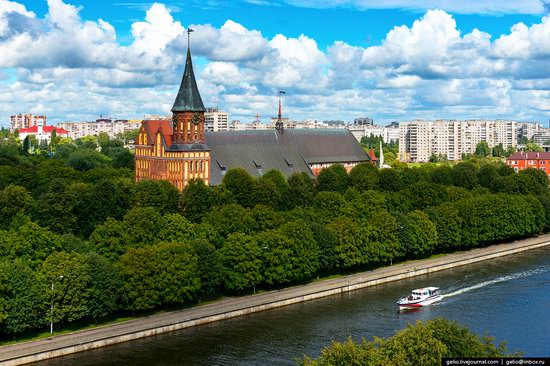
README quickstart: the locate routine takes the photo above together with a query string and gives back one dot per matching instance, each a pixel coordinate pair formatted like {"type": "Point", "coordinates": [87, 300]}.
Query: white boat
{"type": "Point", "coordinates": [420, 297]}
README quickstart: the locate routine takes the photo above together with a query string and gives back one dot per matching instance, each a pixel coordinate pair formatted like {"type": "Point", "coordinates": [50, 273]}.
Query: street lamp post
{"type": "Point", "coordinates": [51, 312]}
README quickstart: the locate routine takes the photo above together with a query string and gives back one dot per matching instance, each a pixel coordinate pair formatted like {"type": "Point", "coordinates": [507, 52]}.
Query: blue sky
{"type": "Point", "coordinates": [337, 59]}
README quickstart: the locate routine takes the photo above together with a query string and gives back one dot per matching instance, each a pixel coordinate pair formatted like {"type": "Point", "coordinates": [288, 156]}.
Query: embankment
{"type": "Point", "coordinates": [33, 351]}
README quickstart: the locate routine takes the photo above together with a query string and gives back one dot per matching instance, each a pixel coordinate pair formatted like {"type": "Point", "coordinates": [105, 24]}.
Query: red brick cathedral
{"type": "Point", "coordinates": [176, 150]}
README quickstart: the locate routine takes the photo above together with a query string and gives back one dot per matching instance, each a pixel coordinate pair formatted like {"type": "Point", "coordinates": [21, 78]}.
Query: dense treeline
{"type": "Point", "coordinates": [423, 344]}
{"type": "Point", "coordinates": [123, 246]}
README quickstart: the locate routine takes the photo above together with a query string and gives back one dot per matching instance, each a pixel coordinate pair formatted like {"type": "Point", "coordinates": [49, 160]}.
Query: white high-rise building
{"type": "Point", "coordinates": [419, 140]}
{"type": "Point", "coordinates": [388, 133]}
{"type": "Point", "coordinates": [215, 120]}
{"type": "Point", "coordinates": [26, 120]}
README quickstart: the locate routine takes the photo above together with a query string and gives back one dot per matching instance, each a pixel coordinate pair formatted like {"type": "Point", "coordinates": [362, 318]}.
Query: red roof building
{"type": "Point", "coordinates": [42, 132]}
{"type": "Point", "coordinates": [523, 160]}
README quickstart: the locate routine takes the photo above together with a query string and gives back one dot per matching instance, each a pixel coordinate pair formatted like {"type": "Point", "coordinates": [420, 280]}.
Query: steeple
{"type": "Point", "coordinates": [188, 99]}
{"type": "Point", "coordinates": [279, 125]}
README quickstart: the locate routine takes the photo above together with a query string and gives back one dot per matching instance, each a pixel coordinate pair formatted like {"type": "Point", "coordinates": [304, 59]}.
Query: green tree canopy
{"type": "Point", "coordinates": [483, 149]}
{"type": "Point", "coordinates": [196, 200]}
{"type": "Point", "coordinates": [422, 344]}
{"type": "Point", "coordinates": [239, 183]}
{"type": "Point", "coordinates": [333, 179]}
{"type": "Point", "coordinates": [241, 258]}
{"type": "Point", "coordinates": [162, 274]}
{"type": "Point", "coordinates": [86, 159]}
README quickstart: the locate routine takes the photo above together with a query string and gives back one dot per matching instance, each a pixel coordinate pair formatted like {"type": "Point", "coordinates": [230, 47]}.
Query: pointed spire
{"type": "Point", "coordinates": [188, 98]}
{"type": "Point", "coordinates": [279, 125]}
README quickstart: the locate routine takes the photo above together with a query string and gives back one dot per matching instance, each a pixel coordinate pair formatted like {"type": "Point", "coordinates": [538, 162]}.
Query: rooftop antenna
{"type": "Point", "coordinates": [279, 125]}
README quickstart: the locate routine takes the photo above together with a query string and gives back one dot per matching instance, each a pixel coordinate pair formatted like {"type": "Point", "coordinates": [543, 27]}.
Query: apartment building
{"type": "Point", "coordinates": [419, 140]}
{"type": "Point", "coordinates": [111, 127]}
{"type": "Point", "coordinates": [388, 133]}
{"type": "Point", "coordinates": [528, 130]}
{"type": "Point", "coordinates": [216, 120]}
{"type": "Point", "coordinates": [26, 120]}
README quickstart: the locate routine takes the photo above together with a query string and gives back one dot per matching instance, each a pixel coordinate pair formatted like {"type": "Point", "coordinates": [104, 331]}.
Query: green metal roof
{"type": "Point", "coordinates": [188, 98]}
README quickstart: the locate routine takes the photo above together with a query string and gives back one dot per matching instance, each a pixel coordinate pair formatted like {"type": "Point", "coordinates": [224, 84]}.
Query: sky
{"type": "Point", "coordinates": [391, 60]}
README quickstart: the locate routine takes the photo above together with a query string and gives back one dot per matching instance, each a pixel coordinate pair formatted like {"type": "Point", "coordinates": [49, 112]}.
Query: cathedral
{"type": "Point", "coordinates": [181, 149]}
{"type": "Point", "coordinates": [176, 150]}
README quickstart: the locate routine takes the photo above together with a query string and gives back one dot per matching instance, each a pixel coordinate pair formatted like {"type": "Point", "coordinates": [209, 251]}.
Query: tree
{"type": "Point", "coordinates": [364, 177]}
{"type": "Point", "coordinates": [264, 192]}
{"type": "Point", "coordinates": [499, 151]}
{"type": "Point", "coordinates": [93, 206]}
{"type": "Point", "coordinates": [239, 183]}
{"type": "Point", "coordinates": [104, 289]}
{"type": "Point", "coordinates": [30, 243]}
{"type": "Point", "coordinates": [464, 175]}
{"type": "Point", "coordinates": [448, 223]}
{"type": "Point", "coordinates": [87, 142]}
{"type": "Point", "coordinates": [209, 266]}
{"type": "Point", "coordinates": [538, 178]}
{"type": "Point", "coordinates": [347, 251]}
{"type": "Point", "coordinates": [229, 219]}
{"type": "Point", "coordinates": [26, 144]}
{"type": "Point", "coordinates": [422, 344]}
{"type": "Point", "coordinates": [418, 235]}
{"type": "Point", "coordinates": [161, 274]}
{"type": "Point", "coordinates": [300, 190]}
{"type": "Point", "coordinates": [196, 200]}
{"type": "Point", "coordinates": [330, 205]}
{"type": "Point", "coordinates": [120, 156]}
{"type": "Point", "coordinates": [241, 258]}
{"type": "Point", "coordinates": [483, 149]}
{"type": "Point", "coordinates": [380, 241]}
{"type": "Point", "coordinates": [531, 146]}
{"type": "Point", "coordinates": [159, 194]}
{"type": "Point", "coordinates": [70, 294]}
{"type": "Point", "coordinates": [54, 140]}
{"type": "Point", "coordinates": [304, 249]}
{"type": "Point", "coordinates": [277, 253]}
{"type": "Point", "coordinates": [281, 185]}
{"type": "Point", "coordinates": [486, 174]}
{"type": "Point", "coordinates": [333, 179]}
{"type": "Point", "coordinates": [86, 159]}
{"type": "Point", "coordinates": [423, 194]}
{"type": "Point", "coordinates": [327, 247]}
{"type": "Point", "coordinates": [21, 298]}
{"type": "Point", "coordinates": [390, 180]}
{"type": "Point", "coordinates": [55, 208]}
{"type": "Point", "coordinates": [442, 175]}
{"type": "Point", "coordinates": [13, 200]}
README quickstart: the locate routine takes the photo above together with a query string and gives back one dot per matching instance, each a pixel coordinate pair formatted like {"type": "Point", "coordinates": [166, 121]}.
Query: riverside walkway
{"type": "Point", "coordinates": [31, 351]}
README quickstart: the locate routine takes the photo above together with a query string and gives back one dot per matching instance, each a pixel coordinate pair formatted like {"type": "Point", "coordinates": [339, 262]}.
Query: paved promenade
{"type": "Point", "coordinates": [138, 328]}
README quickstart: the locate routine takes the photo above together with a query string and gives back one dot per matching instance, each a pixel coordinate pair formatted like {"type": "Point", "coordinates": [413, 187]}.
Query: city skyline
{"type": "Point", "coordinates": [76, 60]}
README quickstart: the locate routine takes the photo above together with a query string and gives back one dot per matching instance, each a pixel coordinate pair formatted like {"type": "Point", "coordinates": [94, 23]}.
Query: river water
{"type": "Point", "coordinates": [508, 298]}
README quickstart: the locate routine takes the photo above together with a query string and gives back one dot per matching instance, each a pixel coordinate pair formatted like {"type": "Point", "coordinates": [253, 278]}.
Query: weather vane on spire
{"type": "Point", "coordinates": [189, 30]}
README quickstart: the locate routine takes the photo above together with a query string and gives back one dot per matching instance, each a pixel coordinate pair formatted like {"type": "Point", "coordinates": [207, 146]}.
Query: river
{"type": "Point", "coordinates": [508, 298]}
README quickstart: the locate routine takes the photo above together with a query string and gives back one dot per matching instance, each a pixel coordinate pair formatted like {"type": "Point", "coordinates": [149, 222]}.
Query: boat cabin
{"type": "Point", "coordinates": [423, 292]}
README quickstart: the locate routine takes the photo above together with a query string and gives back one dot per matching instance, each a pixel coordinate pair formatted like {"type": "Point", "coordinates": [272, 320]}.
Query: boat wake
{"type": "Point", "coordinates": [496, 280]}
